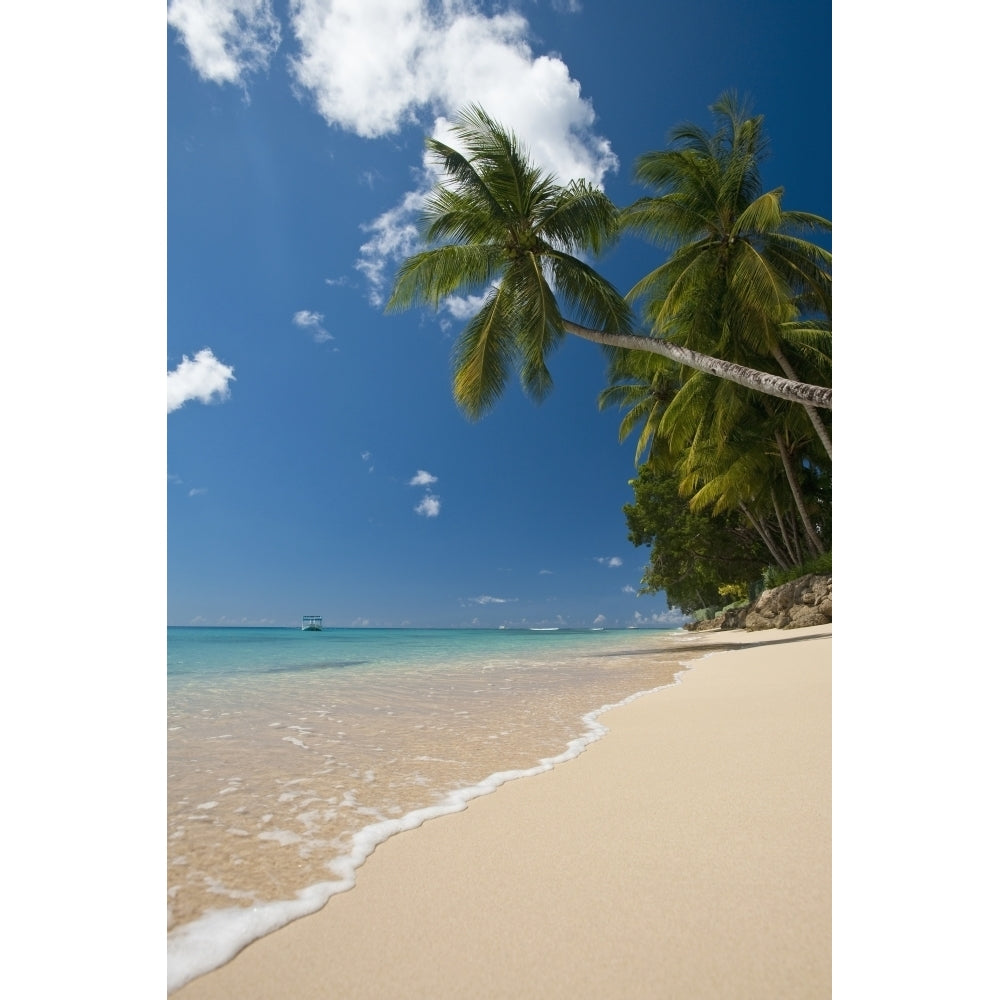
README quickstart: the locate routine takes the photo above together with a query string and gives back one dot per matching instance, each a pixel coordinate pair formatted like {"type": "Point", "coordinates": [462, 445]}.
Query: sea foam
{"type": "Point", "coordinates": [219, 935]}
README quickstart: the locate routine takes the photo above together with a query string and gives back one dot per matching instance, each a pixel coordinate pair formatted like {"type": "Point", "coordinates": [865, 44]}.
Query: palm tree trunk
{"type": "Point", "coordinates": [772, 385]}
{"type": "Point", "coordinates": [761, 528]}
{"type": "Point", "coordinates": [790, 532]}
{"type": "Point", "coordinates": [800, 504]}
{"type": "Point", "coordinates": [791, 544]}
{"type": "Point", "coordinates": [814, 416]}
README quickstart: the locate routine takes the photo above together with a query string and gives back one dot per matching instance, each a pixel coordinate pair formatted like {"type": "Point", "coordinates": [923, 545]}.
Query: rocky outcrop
{"type": "Point", "coordinates": [704, 626]}
{"type": "Point", "coordinates": [796, 604]}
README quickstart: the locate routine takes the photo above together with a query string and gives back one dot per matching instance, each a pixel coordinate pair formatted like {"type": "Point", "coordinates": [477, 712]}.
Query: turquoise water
{"type": "Point", "coordinates": [292, 754]}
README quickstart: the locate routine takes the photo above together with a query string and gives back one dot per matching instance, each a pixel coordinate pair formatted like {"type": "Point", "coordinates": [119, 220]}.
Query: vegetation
{"type": "Point", "coordinates": [822, 565]}
{"type": "Point", "coordinates": [741, 280]}
{"type": "Point", "coordinates": [496, 221]}
{"type": "Point", "coordinates": [693, 556]}
{"type": "Point", "coordinates": [728, 388]}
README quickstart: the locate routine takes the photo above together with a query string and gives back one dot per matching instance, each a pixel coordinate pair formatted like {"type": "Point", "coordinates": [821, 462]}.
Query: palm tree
{"type": "Point", "coordinates": [741, 279]}
{"type": "Point", "coordinates": [731, 450]}
{"type": "Point", "coordinates": [495, 220]}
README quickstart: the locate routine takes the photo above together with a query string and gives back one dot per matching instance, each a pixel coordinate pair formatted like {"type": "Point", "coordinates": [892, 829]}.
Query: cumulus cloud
{"type": "Point", "coordinates": [430, 506]}
{"type": "Point", "coordinates": [394, 236]}
{"type": "Point", "coordinates": [612, 562]}
{"type": "Point", "coordinates": [226, 39]}
{"type": "Point", "coordinates": [443, 64]}
{"type": "Point", "coordinates": [313, 322]}
{"type": "Point", "coordinates": [465, 307]}
{"type": "Point", "coordinates": [204, 378]}
{"type": "Point", "coordinates": [486, 599]}
{"type": "Point", "coordinates": [422, 478]}
{"type": "Point", "coordinates": [672, 618]}
{"type": "Point", "coordinates": [437, 58]}
{"type": "Point", "coordinates": [629, 589]}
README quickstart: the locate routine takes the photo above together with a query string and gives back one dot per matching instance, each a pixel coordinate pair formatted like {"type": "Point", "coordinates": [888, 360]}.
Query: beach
{"type": "Point", "coordinates": [685, 854]}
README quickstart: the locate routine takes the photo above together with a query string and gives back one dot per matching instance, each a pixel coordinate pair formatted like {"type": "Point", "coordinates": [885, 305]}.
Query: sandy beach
{"type": "Point", "coordinates": [685, 855]}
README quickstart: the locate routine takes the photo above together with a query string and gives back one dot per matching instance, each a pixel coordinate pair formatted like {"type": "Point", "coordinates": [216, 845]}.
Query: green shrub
{"type": "Point", "coordinates": [738, 591]}
{"type": "Point", "coordinates": [822, 565]}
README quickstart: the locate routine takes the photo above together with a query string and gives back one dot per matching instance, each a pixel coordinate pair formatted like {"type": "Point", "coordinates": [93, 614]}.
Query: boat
{"type": "Point", "coordinates": [553, 628]}
{"type": "Point", "coordinates": [312, 623]}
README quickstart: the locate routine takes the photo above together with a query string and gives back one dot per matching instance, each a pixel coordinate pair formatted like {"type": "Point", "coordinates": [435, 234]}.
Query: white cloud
{"type": "Point", "coordinates": [197, 491]}
{"type": "Point", "coordinates": [422, 478]}
{"type": "Point", "coordinates": [433, 62]}
{"type": "Point", "coordinates": [313, 322]}
{"type": "Point", "coordinates": [373, 67]}
{"type": "Point", "coordinates": [226, 39]}
{"type": "Point", "coordinates": [205, 378]}
{"type": "Point", "coordinates": [395, 236]}
{"type": "Point", "coordinates": [465, 307]}
{"type": "Point", "coordinates": [612, 562]}
{"type": "Point", "coordinates": [438, 58]}
{"type": "Point", "coordinates": [629, 589]}
{"type": "Point", "coordinates": [430, 506]}
{"type": "Point", "coordinates": [599, 620]}
{"type": "Point", "coordinates": [671, 618]}
{"type": "Point", "coordinates": [545, 572]}
{"type": "Point", "coordinates": [486, 599]}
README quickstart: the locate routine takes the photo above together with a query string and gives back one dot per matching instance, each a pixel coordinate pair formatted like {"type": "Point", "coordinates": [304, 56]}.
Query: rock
{"type": "Point", "coordinates": [796, 604]}
{"type": "Point", "coordinates": [735, 617]}
{"type": "Point", "coordinates": [704, 626]}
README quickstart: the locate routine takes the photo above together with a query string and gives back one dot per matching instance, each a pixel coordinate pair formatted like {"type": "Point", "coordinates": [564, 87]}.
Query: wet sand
{"type": "Point", "coordinates": [685, 855]}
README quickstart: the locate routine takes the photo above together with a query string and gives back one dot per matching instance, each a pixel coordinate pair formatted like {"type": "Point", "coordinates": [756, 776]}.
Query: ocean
{"type": "Point", "coordinates": [291, 755]}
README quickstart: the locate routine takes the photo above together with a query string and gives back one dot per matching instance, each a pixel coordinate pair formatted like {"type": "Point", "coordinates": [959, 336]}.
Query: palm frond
{"type": "Point", "coordinates": [432, 275]}
{"type": "Point", "coordinates": [539, 323]}
{"type": "Point", "coordinates": [579, 217]}
{"type": "Point", "coordinates": [762, 215]}
{"type": "Point", "coordinates": [483, 355]}
{"type": "Point", "coordinates": [593, 298]}
{"type": "Point", "coordinates": [460, 172]}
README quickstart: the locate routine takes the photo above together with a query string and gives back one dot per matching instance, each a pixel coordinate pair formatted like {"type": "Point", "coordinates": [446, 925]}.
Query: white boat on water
{"type": "Point", "coordinates": [312, 623]}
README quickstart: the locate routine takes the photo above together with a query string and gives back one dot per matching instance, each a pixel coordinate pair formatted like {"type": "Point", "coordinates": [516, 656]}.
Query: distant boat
{"type": "Point", "coordinates": [554, 628]}
{"type": "Point", "coordinates": [312, 623]}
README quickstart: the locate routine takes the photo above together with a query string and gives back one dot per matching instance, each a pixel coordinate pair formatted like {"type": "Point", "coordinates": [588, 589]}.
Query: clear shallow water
{"type": "Point", "coordinates": [292, 754]}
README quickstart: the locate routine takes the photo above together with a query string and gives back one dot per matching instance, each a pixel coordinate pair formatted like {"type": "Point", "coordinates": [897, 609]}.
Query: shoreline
{"type": "Point", "coordinates": [706, 873]}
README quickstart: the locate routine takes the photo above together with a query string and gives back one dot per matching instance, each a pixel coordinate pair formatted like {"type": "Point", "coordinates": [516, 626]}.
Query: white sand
{"type": "Point", "coordinates": [685, 855]}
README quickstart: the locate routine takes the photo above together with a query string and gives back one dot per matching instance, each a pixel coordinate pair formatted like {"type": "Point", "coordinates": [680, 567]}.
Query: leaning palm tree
{"type": "Point", "coordinates": [496, 221]}
{"type": "Point", "coordinates": [742, 273]}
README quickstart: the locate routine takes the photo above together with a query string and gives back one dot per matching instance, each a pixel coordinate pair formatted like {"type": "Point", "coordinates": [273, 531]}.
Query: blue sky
{"type": "Point", "coordinates": [316, 460]}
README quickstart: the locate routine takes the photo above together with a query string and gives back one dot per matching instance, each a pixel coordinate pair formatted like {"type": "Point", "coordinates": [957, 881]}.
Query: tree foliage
{"type": "Point", "coordinates": [724, 388]}
{"type": "Point", "coordinates": [692, 555]}
{"type": "Point", "coordinates": [496, 222]}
